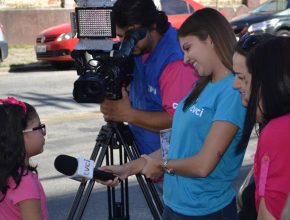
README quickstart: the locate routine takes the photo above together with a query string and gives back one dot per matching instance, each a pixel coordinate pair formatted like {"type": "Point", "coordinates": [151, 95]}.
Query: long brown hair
{"type": "Point", "coordinates": [206, 23]}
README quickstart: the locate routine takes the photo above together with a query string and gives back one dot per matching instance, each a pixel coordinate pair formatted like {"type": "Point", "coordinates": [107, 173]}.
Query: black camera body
{"type": "Point", "coordinates": [104, 80]}
{"type": "Point", "coordinates": [104, 75]}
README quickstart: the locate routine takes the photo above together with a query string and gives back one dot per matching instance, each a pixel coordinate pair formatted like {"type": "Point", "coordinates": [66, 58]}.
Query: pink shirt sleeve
{"type": "Point", "coordinates": [272, 173]}
{"type": "Point", "coordinates": [27, 189]}
{"type": "Point", "coordinates": [176, 81]}
{"type": "Point", "coordinates": [30, 188]}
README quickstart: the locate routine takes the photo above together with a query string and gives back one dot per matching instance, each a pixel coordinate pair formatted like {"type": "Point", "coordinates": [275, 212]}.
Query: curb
{"type": "Point", "coordinates": [33, 67]}
{"type": "Point", "coordinates": [4, 71]}
{"type": "Point", "coordinates": [26, 68]}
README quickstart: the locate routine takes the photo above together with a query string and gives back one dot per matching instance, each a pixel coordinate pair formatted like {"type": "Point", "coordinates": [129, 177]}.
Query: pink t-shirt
{"type": "Point", "coordinates": [29, 188]}
{"type": "Point", "coordinates": [176, 81]}
{"type": "Point", "coordinates": [272, 165]}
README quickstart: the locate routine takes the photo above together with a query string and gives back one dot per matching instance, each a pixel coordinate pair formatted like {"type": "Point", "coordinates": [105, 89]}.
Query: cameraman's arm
{"type": "Point", "coordinates": [122, 111]}
{"type": "Point", "coordinates": [153, 121]}
{"type": "Point", "coordinates": [175, 82]}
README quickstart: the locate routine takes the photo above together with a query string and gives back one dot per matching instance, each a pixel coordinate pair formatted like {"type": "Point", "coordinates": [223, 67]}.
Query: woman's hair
{"type": "Point", "coordinates": [246, 45]}
{"type": "Point", "coordinates": [142, 12]}
{"type": "Point", "coordinates": [249, 42]}
{"type": "Point", "coordinates": [13, 120]}
{"type": "Point", "coordinates": [206, 23]}
{"type": "Point", "coordinates": [269, 65]}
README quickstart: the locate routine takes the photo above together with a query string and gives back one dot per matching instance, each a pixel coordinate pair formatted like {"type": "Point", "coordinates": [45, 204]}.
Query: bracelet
{"type": "Point", "coordinates": [166, 169]}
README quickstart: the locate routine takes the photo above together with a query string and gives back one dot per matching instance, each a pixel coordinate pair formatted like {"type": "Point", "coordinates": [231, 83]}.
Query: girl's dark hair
{"type": "Point", "coordinates": [13, 121]}
{"type": "Point", "coordinates": [142, 12]}
{"type": "Point", "coordinates": [206, 23]}
{"type": "Point", "coordinates": [269, 65]}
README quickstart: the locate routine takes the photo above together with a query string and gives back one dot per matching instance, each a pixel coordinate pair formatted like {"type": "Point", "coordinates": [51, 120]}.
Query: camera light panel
{"type": "Point", "coordinates": [95, 23]}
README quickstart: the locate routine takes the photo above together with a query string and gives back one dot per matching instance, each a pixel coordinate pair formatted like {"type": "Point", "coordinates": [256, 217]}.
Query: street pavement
{"type": "Point", "coordinates": [72, 129]}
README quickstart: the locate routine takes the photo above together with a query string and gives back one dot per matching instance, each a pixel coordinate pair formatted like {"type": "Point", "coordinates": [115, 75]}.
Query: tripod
{"type": "Point", "coordinates": [116, 136]}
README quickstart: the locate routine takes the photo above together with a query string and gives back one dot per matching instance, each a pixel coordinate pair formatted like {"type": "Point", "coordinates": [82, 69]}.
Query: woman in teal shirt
{"type": "Point", "coordinates": [202, 161]}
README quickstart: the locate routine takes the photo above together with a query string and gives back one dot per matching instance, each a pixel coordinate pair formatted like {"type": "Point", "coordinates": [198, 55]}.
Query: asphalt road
{"type": "Point", "coordinates": [72, 129]}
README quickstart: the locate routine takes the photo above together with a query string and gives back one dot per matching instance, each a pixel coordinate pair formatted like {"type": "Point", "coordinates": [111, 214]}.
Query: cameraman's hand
{"type": "Point", "coordinates": [119, 110]}
{"type": "Point", "coordinates": [153, 168]}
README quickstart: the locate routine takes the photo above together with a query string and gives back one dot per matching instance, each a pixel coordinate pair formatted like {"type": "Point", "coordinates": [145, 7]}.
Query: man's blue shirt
{"type": "Point", "coordinates": [145, 90]}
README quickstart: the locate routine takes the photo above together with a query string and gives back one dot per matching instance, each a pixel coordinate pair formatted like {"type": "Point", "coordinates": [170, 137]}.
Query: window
{"type": "Point", "coordinates": [271, 6]}
{"type": "Point", "coordinates": [172, 7]}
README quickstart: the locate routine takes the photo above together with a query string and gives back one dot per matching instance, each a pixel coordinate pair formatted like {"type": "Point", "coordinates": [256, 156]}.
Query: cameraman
{"type": "Point", "coordinates": [160, 78]}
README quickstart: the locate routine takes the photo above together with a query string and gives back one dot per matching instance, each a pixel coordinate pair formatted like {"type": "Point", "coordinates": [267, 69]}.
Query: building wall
{"type": "Point", "coordinates": [36, 3]}
{"type": "Point", "coordinates": [21, 26]}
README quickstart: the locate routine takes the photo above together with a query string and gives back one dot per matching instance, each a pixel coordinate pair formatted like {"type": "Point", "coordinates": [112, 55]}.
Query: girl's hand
{"type": "Point", "coordinates": [153, 168]}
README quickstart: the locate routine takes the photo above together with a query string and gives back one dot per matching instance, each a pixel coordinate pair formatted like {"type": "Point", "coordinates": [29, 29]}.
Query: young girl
{"type": "Point", "coordinates": [266, 89]}
{"type": "Point", "coordinates": [21, 137]}
{"type": "Point", "coordinates": [202, 161]}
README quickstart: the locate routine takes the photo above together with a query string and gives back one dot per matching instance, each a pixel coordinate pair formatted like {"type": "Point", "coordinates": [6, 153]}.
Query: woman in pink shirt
{"type": "Point", "coordinates": [21, 137]}
{"type": "Point", "coordinates": [266, 90]}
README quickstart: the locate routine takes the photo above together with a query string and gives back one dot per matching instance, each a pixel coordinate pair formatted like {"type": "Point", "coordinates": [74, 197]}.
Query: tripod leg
{"type": "Point", "coordinates": [89, 188]}
{"type": "Point", "coordinates": [149, 191]}
{"type": "Point", "coordinates": [119, 209]}
{"type": "Point", "coordinates": [102, 142]}
{"type": "Point", "coordinates": [135, 154]}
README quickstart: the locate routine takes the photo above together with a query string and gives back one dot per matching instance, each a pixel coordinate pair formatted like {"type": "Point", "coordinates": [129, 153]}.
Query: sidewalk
{"type": "Point", "coordinates": [22, 59]}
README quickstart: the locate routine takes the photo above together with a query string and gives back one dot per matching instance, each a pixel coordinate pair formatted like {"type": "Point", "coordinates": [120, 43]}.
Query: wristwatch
{"type": "Point", "coordinates": [166, 169]}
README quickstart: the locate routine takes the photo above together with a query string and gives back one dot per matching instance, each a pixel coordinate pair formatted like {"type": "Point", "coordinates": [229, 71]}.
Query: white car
{"type": "Point", "coordinates": [3, 45]}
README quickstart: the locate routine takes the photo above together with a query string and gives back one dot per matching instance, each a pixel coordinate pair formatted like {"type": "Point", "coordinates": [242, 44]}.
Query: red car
{"type": "Point", "coordinates": [56, 43]}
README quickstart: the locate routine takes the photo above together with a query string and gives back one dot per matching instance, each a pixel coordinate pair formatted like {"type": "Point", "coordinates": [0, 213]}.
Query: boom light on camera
{"type": "Point", "coordinates": [104, 67]}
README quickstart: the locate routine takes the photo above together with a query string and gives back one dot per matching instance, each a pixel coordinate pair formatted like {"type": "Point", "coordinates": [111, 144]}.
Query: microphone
{"type": "Point", "coordinates": [80, 169]}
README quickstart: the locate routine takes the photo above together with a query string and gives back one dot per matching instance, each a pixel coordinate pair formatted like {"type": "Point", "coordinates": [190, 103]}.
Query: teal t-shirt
{"type": "Point", "coordinates": [196, 196]}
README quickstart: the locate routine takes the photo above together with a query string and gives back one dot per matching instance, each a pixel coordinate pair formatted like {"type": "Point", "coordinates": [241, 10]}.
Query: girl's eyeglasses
{"type": "Point", "coordinates": [40, 127]}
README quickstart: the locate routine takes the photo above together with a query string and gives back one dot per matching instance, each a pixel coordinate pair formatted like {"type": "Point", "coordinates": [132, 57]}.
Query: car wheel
{"type": "Point", "coordinates": [284, 33]}
{"type": "Point", "coordinates": [62, 65]}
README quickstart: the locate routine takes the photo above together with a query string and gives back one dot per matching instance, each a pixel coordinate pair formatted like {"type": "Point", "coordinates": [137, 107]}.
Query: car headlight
{"type": "Point", "coordinates": [262, 26]}
{"type": "Point", "coordinates": [65, 36]}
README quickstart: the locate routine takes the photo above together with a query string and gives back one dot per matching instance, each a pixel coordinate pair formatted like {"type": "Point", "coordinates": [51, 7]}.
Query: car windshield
{"type": "Point", "coordinates": [271, 6]}
{"type": "Point", "coordinates": [173, 7]}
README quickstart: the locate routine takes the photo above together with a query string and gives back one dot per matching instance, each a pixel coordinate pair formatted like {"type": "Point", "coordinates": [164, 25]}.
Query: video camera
{"type": "Point", "coordinates": [104, 66]}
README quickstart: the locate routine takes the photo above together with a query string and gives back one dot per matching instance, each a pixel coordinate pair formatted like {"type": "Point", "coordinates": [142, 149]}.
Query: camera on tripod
{"type": "Point", "coordinates": [104, 66]}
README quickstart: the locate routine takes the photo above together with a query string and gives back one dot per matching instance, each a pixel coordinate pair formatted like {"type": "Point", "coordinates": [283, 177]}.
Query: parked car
{"type": "Point", "coordinates": [179, 10]}
{"type": "Point", "coordinates": [3, 45]}
{"type": "Point", "coordinates": [56, 43]}
{"type": "Point", "coordinates": [272, 16]}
